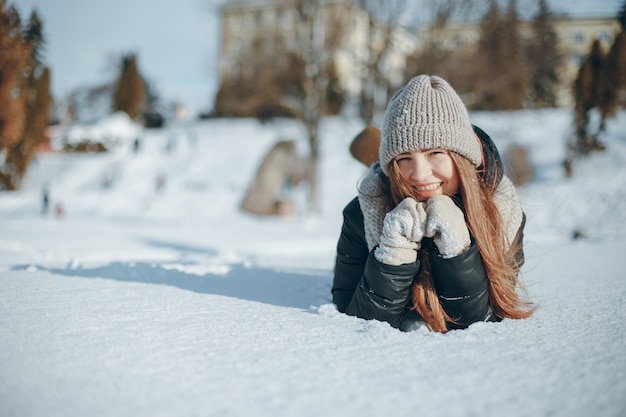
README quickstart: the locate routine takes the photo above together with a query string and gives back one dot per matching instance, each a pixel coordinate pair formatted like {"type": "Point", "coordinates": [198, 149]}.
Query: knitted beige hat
{"type": "Point", "coordinates": [424, 114]}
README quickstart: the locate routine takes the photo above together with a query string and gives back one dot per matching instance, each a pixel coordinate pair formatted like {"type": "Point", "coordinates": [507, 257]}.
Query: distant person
{"type": "Point", "coordinates": [136, 146]}
{"type": "Point", "coordinates": [435, 234]}
{"type": "Point", "coordinates": [45, 200]}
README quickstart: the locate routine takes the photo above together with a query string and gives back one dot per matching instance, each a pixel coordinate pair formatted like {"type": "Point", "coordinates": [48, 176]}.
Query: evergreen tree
{"type": "Point", "coordinates": [14, 63]}
{"type": "Point", "coordinates": [621, 67]}
{"type": "Point", "coordinates": [33, 35]}
{"type": "Point", "coordinates": [501, 83]}
{"type": "Point", "coordinates": [588, 87]}
{"type": "Point", "coordinates": [37, 116]}
{"type": "Point", "coordinates": [544, 59]}
{"type": "Point", "coordinates": [615, 69]}
{"type": "Point", "coordinates": [515, 79]}
{"type": "Point", "coordinates": [24, 94]}
{"type": "Point", "coordinates": [613, 82]}
{"type": "Point", "coordinates": [130, 92]}
{"type": "Point", "coordinates": [490, 48]}
{"type": "Point", "coordinates": [600, 84]}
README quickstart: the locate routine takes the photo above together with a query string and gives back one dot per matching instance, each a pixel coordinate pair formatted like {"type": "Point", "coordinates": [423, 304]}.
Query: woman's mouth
{"type": "Point", "coordinates": [424, 192]}
{"type": "Point", "coordinates": [429, 187]}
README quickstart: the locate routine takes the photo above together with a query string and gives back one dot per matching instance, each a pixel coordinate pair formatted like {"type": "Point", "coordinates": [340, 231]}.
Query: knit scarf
{"type": "Point", "coordinates": [373, 203]}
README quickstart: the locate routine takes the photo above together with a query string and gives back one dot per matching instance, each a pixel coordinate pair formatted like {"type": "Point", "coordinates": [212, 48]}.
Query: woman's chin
{"type": "Point", "coordinates": [425, 195]}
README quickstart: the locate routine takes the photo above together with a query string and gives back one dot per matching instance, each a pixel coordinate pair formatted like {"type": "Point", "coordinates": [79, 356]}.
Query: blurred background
{"type": "Point", "coordinates": [69, 62]}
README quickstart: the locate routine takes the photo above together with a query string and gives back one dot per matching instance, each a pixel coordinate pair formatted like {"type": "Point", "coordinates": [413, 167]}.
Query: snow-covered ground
{"type": "Point", "coordinates": [148, 301]}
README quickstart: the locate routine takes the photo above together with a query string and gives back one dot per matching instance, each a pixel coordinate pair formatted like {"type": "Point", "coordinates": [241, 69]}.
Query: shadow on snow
{"type": "Point", "coordinates": [281, 288]}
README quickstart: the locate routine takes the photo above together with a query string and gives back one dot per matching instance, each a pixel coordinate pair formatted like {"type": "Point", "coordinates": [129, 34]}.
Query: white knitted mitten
{"type": "Point", "coordinates": [403, 230]}
{"type": "Point", "coordinates": [446, 225]}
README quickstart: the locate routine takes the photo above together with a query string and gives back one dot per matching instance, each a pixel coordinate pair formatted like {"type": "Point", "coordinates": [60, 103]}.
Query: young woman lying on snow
{"type": "Point", "coordinates": [435, 234]}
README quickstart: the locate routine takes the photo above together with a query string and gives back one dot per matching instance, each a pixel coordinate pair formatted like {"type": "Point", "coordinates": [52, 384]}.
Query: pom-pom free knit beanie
{"type": "Point", "coordinates": [425, 114]}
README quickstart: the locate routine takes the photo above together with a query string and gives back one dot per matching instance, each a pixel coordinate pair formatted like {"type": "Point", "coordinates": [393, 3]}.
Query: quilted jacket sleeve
{"type": "Point", "coordinates": [363, 286]}
{"type": "Point", "coordinates": [351, 256]}
{"type": "Point", "coordinates": [383, 291]}
{"type": "Point", "coordinates": [462, 286]}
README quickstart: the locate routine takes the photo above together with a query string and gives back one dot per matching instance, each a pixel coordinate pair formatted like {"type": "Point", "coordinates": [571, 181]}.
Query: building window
{"type": "Point", "coordinates": [605, 37]}
{"type": "Point", "coordinates": [578, 37]}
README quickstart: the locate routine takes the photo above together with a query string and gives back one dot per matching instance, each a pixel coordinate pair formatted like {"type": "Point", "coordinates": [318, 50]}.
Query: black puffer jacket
{"type": "Point", "coordinates": [367, 288]}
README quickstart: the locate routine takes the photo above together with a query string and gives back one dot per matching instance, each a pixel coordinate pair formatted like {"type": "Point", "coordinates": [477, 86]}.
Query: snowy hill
{"type": "Point", "coordinates": [155, 295]}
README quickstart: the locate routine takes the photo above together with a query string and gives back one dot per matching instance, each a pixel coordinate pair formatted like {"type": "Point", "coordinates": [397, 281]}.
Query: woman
{"type": "Point", "coordinates": [436, 231]}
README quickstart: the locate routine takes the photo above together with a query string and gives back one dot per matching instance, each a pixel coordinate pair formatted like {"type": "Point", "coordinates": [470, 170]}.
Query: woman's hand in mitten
{"type": "Point", "coordinates": [403, 230]}
{"type": "Point", "coordinates": [446, 225]}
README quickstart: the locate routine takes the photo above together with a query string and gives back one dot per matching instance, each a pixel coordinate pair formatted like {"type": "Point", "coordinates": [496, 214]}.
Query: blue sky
{"type": "Point", "coordinates": [176, 41]}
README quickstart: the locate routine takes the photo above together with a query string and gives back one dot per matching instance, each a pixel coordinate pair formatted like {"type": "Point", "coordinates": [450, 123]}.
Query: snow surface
{"type": "Point", "coordinates": [142, 301]}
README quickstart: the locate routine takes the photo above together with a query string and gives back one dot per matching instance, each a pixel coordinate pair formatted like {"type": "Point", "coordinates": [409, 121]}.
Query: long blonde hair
{"type": "Point", "coordinates": [499, 256]}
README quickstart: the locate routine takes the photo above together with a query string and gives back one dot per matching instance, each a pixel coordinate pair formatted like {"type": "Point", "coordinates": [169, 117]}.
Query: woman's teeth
{"type": "Point", "coordinates": [427, 187]}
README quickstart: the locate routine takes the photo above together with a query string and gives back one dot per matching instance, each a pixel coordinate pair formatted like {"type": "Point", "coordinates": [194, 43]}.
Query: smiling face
{"type": "Point", "coordinates": [429, 172]}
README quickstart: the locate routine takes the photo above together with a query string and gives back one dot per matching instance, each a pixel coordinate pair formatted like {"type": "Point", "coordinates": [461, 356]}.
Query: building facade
{"type": "Point", "coordinates": [268, 27]}
{"type": "Point", "coordinates": [276, 24]}
{"type": "Point", "coordinates": [575, 37]}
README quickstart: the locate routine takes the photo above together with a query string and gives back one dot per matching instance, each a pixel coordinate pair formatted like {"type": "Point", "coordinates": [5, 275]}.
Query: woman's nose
{"type": "Point", "coordinates": [421, 169]}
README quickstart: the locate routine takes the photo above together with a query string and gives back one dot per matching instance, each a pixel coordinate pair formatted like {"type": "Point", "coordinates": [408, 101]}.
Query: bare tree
{"type": "Point", "coordinates": [383, 18]}
{"type": "Point", "coordinates": [284, 64]}
{"type": "Point", "coordinates": [456, 63]}
{"type": "Point", "coordinates": [321, 35]}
